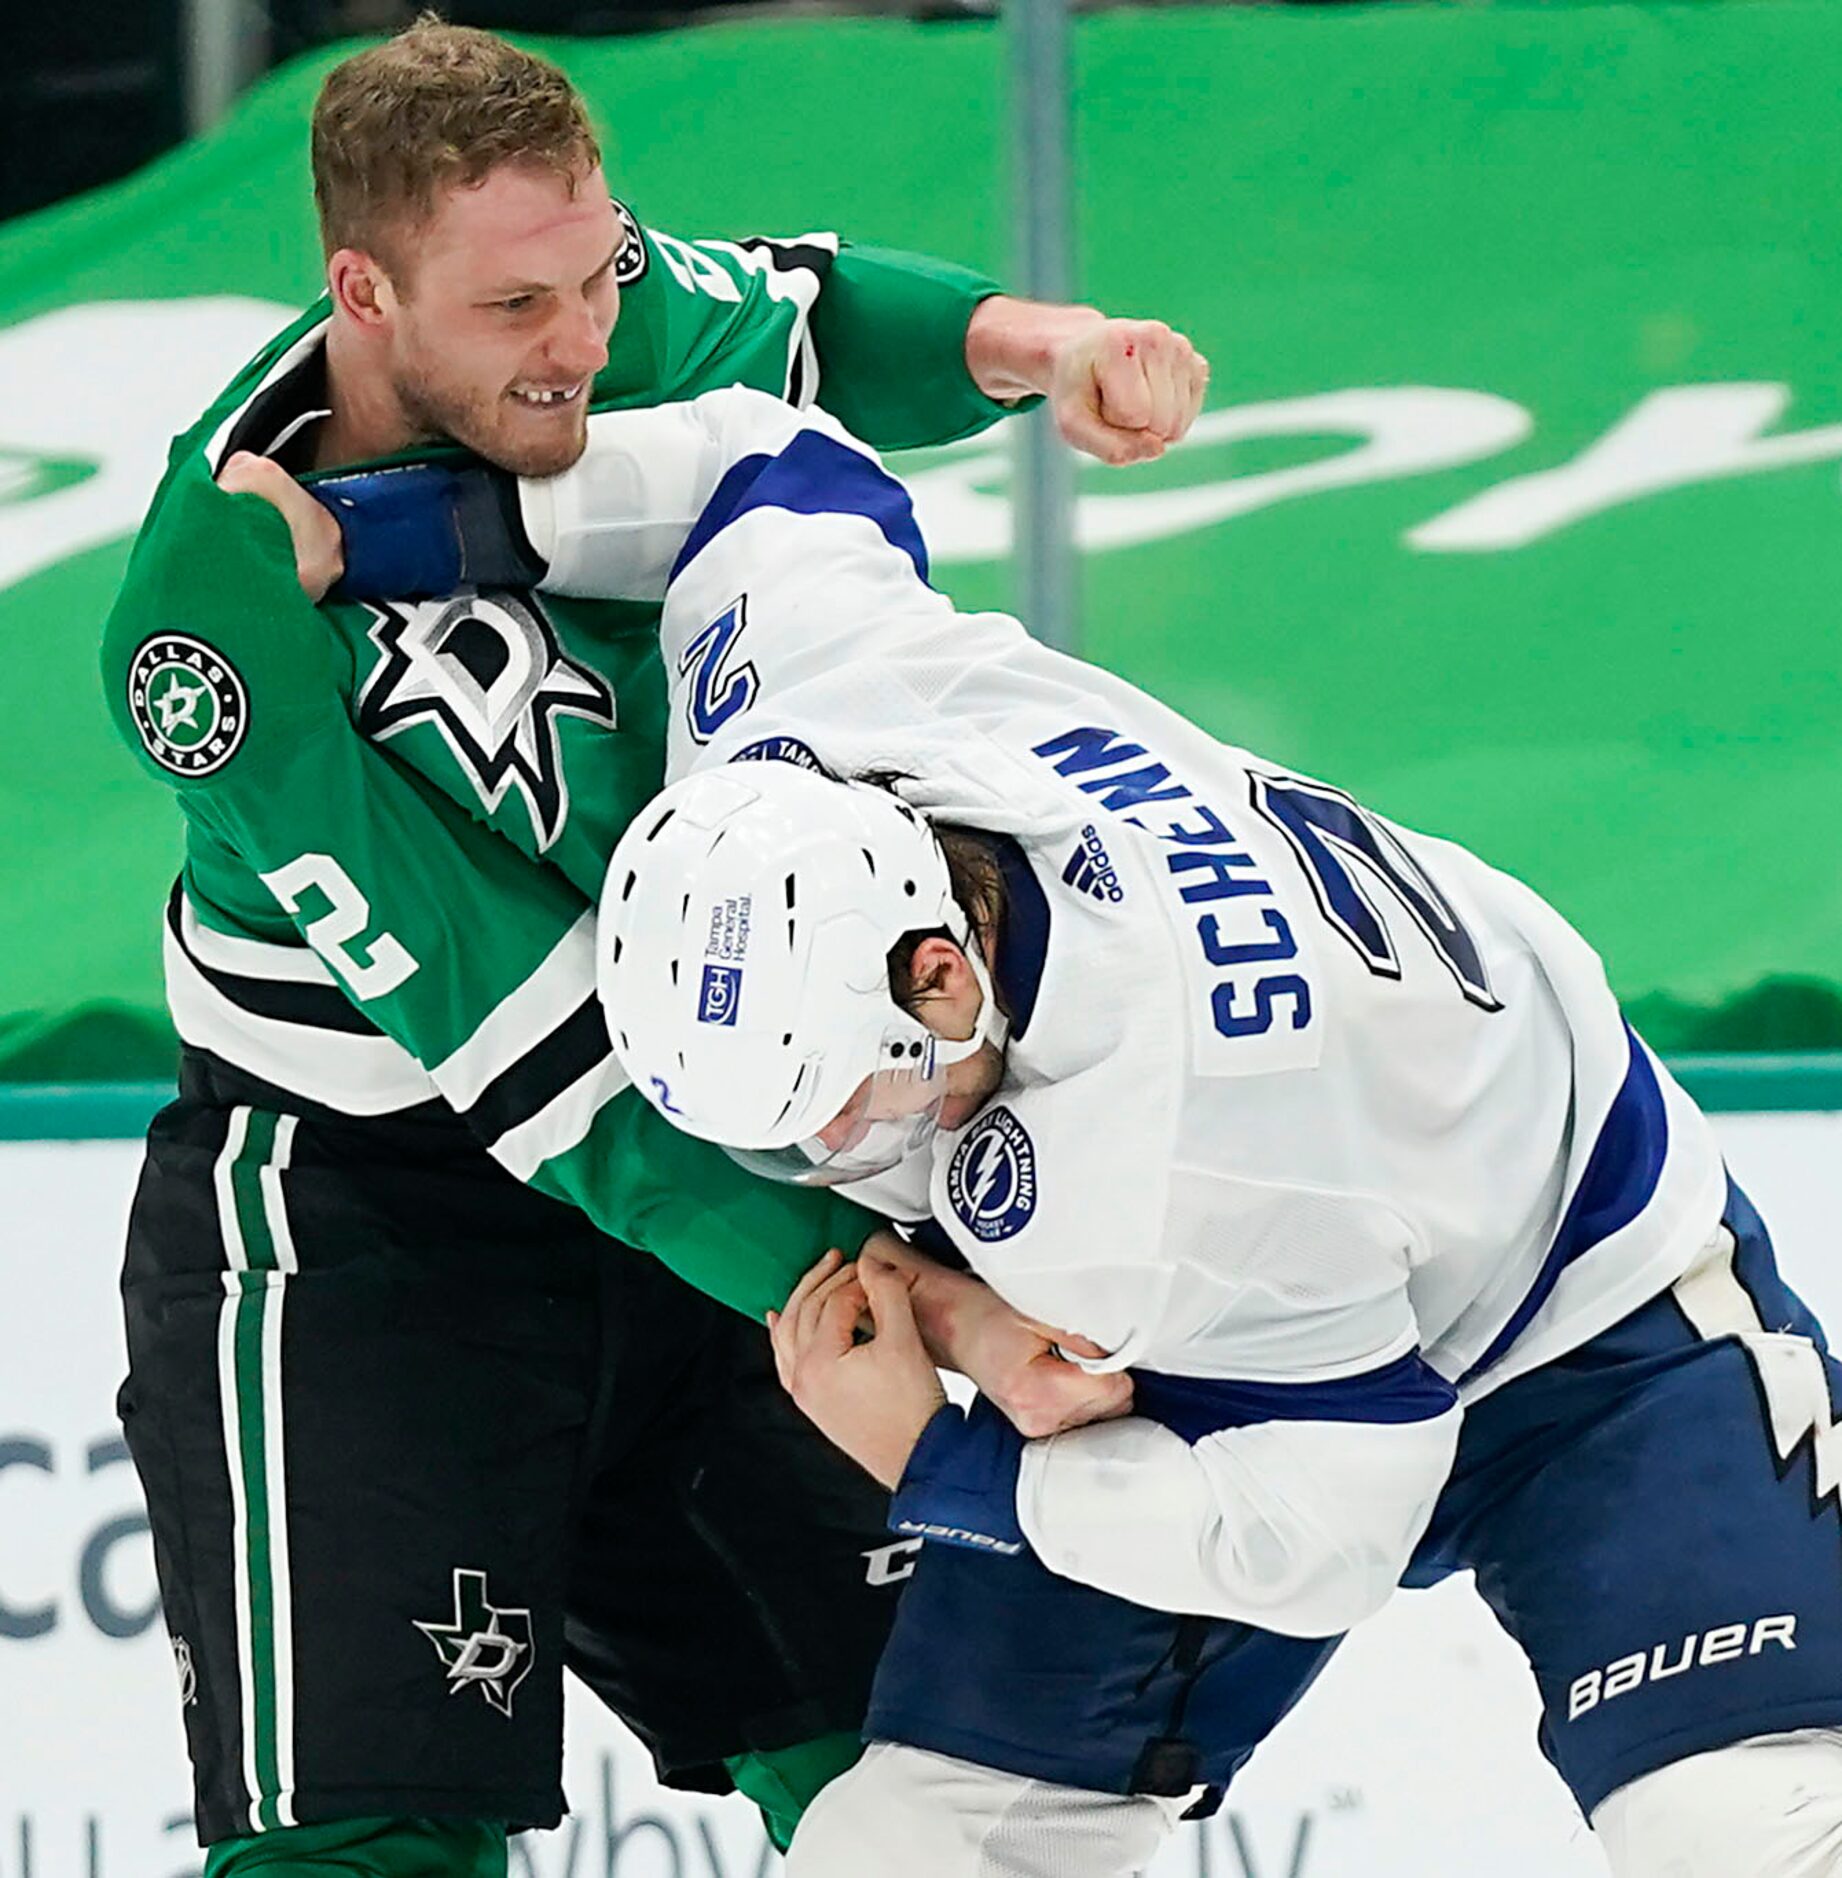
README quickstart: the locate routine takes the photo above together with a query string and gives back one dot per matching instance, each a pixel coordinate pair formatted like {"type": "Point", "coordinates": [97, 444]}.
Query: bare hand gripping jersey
{"type": "Point", "coordinates": [386, 897]}
{"type": "Point", "coordinates": [1326, 1118]}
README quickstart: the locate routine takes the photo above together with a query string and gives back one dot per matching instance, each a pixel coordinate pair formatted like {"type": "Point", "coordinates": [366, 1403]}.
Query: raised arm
{"type": "Point", "coordinates": [903, 348]}
{"type": "Point", "coordinates": [916, 351]}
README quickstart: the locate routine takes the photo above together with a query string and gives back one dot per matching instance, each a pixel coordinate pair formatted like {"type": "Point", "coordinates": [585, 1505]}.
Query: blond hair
{"type": "Point", "coordinates": [436, 107]}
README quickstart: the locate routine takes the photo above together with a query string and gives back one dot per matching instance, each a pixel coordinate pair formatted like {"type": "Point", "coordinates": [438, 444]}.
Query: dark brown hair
{"type": "Point", "coordinates": [437, 106]}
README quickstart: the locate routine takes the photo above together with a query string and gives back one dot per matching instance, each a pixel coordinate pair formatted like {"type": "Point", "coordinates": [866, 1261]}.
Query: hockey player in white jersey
{"type": "Point", "coordinates": [1328, 1132]}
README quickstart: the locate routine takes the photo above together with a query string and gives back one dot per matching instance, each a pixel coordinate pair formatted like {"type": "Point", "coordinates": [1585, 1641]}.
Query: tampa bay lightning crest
{"type": "Point", "coordinates": [783, 750]}
{"type": "Point", "coordinates": [486, 670]}
{"type": "Point", "coordinates": [991, 1181]}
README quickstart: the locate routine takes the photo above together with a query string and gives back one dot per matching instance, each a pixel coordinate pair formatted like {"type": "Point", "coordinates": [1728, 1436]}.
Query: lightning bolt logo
{"type": "Point", "coordinates": [982, 1173]}
{"type": "Point", "coordinates": [1792, 1373]}
{"type": "Point", "coordinates": [991, 1182]}
{"type": "Point", "coordinates": [1795, 1383]}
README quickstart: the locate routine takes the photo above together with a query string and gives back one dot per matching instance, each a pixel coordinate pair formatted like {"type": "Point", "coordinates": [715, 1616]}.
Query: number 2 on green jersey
{"type": "Point", "coordinates": [386, 962]}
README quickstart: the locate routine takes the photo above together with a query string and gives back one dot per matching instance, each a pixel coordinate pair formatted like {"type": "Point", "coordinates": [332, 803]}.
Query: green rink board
{"type": "Point", "coordinates": [1515, 509]}
{"type": "Point", "coordinates": [1780, 1082]}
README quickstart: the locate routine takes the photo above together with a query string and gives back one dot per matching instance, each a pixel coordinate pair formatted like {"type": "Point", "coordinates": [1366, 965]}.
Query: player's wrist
{"type": "Point", "coordinates": [1014, 347]}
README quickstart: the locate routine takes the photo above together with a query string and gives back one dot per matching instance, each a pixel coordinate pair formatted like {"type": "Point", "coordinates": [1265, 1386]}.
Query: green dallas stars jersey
{"type": "Point", "coordinates": [382, 906]}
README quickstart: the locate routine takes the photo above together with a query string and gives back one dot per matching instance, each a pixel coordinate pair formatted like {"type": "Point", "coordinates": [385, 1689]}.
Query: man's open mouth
{"type": "Point", "coordinates": [548, 400]}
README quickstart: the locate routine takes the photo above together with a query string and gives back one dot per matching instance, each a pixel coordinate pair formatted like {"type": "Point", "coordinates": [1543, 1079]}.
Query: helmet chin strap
{"type": "Point", "coordinates": [992, 1027]}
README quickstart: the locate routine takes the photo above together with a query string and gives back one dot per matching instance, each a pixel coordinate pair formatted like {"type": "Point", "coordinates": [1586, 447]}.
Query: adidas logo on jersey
{"type": "Point", "coordinates": [1724, 1644]}
{"type": "Point", "coordinates": [1089, 870]}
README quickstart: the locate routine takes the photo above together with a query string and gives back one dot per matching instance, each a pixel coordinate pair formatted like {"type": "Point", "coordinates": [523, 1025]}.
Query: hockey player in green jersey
{"type": "Point", "coordinates": [415, 1429]}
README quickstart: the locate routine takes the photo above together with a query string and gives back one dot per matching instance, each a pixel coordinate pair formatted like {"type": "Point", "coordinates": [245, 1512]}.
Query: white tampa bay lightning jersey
{"type": "Point", "coordinates": [1295, 1099]}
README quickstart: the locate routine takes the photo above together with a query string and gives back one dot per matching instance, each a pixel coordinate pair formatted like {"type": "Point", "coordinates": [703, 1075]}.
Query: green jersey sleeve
{"type": "Point", "coordinates": [890, 332]}
{"type": "Point", "coordinates": [874, 335]}
{"type": "Point", "coordinates": [421, 955]}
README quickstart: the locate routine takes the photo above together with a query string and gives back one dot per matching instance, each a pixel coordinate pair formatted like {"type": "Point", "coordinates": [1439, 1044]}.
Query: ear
{"type": "Point", "coordinates": [941, 966]}
{"type": "Point", "coordinates": [361, 288]}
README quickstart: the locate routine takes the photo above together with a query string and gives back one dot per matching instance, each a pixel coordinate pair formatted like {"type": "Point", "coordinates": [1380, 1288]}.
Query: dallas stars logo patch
{"type": "Point", "coordinates": [486, 670]}
{"type": "Point", "coordinates": [485, 1647]}
{"type": "Point", "coordinates": [188, 704]}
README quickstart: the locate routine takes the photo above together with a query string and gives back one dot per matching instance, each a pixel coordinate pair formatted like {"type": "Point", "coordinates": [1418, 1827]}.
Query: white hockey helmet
{"type": "Point", "coordinates": [742, 961]}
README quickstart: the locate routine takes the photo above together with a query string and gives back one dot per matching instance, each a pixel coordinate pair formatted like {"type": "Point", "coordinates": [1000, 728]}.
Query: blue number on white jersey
{"type": "Point", "coordinates": [1327, 829]}
{"type": "Point", "coordinates": [716, 695]}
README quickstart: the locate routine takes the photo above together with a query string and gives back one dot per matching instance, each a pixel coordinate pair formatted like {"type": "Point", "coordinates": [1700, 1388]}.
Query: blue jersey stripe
{"type": "Point", "coordinates": [813, 475]}
{"type": "Point", "coordinates": [1405, 1390]}
{"type": "Point", "coordinates": [1621, 1176]}
{"type": "Point", "coordinates": [1023, 933]}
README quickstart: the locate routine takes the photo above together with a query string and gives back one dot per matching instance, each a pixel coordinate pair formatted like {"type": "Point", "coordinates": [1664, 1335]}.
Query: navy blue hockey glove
{"type": "Point", "coordinates": [426, 530]}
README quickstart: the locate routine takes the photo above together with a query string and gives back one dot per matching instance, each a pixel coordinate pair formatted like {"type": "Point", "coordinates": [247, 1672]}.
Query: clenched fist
{"type": "Point", "coordinates": [1125, 390]}
{"type": "Point", "coordinates": [1122, 390]}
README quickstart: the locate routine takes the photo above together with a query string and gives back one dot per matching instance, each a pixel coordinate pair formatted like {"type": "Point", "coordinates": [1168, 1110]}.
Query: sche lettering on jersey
{"type": "Point", "coordinates": [1241, 954]}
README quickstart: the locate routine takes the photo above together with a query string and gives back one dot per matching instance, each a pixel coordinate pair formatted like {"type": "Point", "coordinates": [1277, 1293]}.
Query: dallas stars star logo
{"type": "Point", "coordinates": [189, 705]}
{"type": "Point", "coordinates": [486, 670]}
{"type": "Point", "coordinates": [485, 1647]}
{"type": "Point", "coordinates": [177, 706]}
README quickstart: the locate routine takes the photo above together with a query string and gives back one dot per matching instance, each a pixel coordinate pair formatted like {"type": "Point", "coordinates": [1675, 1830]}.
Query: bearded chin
{"type": "Point", "coordinates": [489, 431]}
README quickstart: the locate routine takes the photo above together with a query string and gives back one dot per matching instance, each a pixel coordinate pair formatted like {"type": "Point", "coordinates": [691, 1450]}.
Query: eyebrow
{"type": "Point", "coordinates": [512, 288]}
